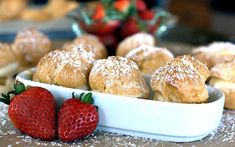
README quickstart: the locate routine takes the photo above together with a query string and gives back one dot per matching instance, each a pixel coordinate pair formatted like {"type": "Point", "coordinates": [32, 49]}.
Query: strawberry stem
{"type": "Point", "coordinates": [18, 88]}
{"type": "Point", "coordinates": [87, 98]}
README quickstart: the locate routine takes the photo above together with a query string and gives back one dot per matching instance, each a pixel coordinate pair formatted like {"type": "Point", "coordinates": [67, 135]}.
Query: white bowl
{"type": "Point", "coordinates": [147, 118]}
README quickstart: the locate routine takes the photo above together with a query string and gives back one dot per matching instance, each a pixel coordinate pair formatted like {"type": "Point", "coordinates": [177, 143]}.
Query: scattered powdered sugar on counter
{"type": "Point", "coordinates": [9, 136]}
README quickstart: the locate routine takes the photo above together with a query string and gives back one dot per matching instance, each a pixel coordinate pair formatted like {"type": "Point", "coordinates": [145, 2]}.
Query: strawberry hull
{"type": "Point", "coordinates": [147, 118]}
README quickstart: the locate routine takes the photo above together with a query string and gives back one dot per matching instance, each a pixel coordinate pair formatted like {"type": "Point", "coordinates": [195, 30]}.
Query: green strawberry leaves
{"type": "Point", "coordinates": [18, 88]}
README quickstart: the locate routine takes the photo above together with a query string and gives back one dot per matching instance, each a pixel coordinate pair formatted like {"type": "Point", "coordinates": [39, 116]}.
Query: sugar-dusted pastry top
{"type": "Point", "coordinates": [69, 68]}
{"type": "Point", "coordinates": [98, 47]}
{"type": "Point", "coordinates": [30, 45]}
{"type": "Point", "coordinates": [150, 58]}
{"type": "Point", "coordinates": [181, 80]}
{"type": "Point", "coordinates": [214, 53]}
{"type": "Point", "coordinates": [118, 75]}
{"type": "Point", "coordinates": [133, 41]}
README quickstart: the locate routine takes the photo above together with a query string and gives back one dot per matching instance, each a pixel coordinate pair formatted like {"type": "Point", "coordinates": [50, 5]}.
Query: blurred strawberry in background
{"type": "Point", "coordinates": [113, 20]}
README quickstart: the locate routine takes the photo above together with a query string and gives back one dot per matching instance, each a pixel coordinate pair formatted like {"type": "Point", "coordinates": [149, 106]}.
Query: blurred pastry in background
{"type": "Point", "coordinates": [32, 14]}
{"type": "Point", "coordinates": [59, 8]}
{"type": "Point", "coordinates": [29, 46]}
{"type": "Point", "coordinates": [8, 67]}
{"type": "Point", "coordinates": [215, 53]}
{"type": "Point", "coordinates": [118, 75]}
{"type": "Point", "coordinates": [149, 58]}
{"type": "Point", "coordinates": [223, 78]}
{"type": "Point", "coordinates": [98, 47]}
{"type": "Point", "coordinates": [11, 9]}
{"type": "Point", "coordinates": [68, 68]}
{"type": "Point", "coordinates": [182, 80]}
{"type": "Point", "coordinates": [134, 41]}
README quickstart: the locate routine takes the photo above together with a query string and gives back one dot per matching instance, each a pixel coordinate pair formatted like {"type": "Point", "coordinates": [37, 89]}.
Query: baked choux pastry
{"type": "Point", "coordinates": [59, 8]}
{"type": "Point", "coordinates": [11, 9]}
{"type": "Point", "coordinates": [182, 80]}
{"type": "Point", "coordinates": [134, 41]}
{"type": "Point", "coordinates": [215, 53]}
{"type": "Point", "coordinates": [35, 15]}
{"type": "Point", "coordinates": [119, 76]}
{"type": "Point", "coordinates": [29, 46]}
{"type": "Point", "coordinates": [8, 67]}
{"type": "Point", "coordinates": [223, 78]}
{"type": "Point", "coordinates": [98, 47]}
{"type": "Point", "coordinates": [149, 58]}
{"type": "Point", "coordinates": [68, 68]}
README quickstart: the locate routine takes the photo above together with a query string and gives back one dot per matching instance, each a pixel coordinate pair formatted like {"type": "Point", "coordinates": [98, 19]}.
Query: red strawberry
{"type": "Point", "coordinates": [100, 27]}
{"type": "Point", "coordinates": [122, 5]}
{"type": "Point", "coordinates": [32, 111]}
{"type": "Point", "coordinates": [77, 118]}
{"type": "Point", "coordinates": [129, 27]}
{"type": "Point", "coordinates": [140, 5]}
{"type": "Point", "coordinates": [146, 15]}
{"type": "Point", "coordinates": [99, 12]}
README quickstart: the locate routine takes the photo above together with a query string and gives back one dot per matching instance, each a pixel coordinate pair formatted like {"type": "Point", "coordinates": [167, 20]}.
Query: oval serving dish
{"type": "Point", "coordinates": [147, 118]}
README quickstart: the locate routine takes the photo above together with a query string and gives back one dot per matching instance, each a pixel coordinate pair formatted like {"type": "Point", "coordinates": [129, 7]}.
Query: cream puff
{"type": "Point", "coordinates": [134, 41]}
{"type": "Point", "coordinates": [119, 76]}
{"type": "Point", "coordinates": [149, 58]}
{"type": "Point", "coordinates": [182, 80]}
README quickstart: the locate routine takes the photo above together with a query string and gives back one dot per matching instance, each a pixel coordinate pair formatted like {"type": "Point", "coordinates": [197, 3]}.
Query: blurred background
{"type": "Point", "coordinates": [198, 21]}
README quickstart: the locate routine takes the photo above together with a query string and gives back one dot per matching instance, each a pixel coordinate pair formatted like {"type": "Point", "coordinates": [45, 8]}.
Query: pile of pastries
{"type": "Point", "coordinates": [24, 52]}
{"type": "Point", "coordinates": [19, 9]}
{"type": "Point", "coordinates": [138, 67]}
{"type": "Point", "coordinates": [84, 64]}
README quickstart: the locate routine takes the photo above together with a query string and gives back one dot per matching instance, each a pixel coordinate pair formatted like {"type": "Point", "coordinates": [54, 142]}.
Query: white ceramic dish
{"type": "Point", "coordinates": [147, 118]}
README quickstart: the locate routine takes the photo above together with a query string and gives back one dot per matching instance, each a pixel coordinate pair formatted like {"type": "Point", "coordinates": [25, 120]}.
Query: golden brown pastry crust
{"type": "Point", "coordinates": [59, 8]}
{"type": "Point", "coordinates": [225, 71]}
{"type": "Point", "coordinates": [7, 55]}
{"type": "Point", "coordinates": [133, 42]}
{"type": "Point", "coordinates": [35, 15]}
{"type": "Point", "coordinates": [215, 53]}
{"type": "Point", "coordinates": [10, 9]}
{"type": "Point", "coordinates": [98, 47]}
{"type": "Point", "coordinates": [29, 46]}
{"type": "Point", "coordinates": [149, 58]}
{"type": "Point", "coordinates": [181, 80]}
{"type": "Point", "coordinates": [118, 75]}
{"type": "Point", "coordinates": [68, 68]}
{"type": "Point", "coordinates": [223, 77]}
{"type": "Point", "coordinates": [228, 88]}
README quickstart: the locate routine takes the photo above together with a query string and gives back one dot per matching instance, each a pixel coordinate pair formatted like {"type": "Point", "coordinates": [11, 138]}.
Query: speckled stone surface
{"type": "Point", "coordinates": [10, 137]}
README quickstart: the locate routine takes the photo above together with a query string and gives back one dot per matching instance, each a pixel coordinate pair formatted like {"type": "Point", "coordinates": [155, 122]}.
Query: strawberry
{"type": "Point", "coordinates": [77, 118]}
{"type": "Point", "coordinates": [100, 27]}
{"type": "Point", "coordinates": [140, 5]}
{"type": "Point", "coordinates": [122, 5]}
{"type": "Point", "coordinates": [129, 27]}
{"type": "Point", "coordinates": [146, 15]}
{"type": "Point", "coordinates": [32, 111]}
{"type": "Point", "coordinates": [99, 12]}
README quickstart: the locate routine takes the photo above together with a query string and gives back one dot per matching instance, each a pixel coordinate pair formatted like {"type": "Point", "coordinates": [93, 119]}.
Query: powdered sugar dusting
{"type": "Point", "coordinates": [114, 66]}
{"type": "Point", "coordinates": [116, 75]}
{"type": "Point", "coordinates": [147, 50]}
{"type": "Point", "coordinates": [224, 135]}
{"type": "Point", "coordinates": [180, 69]}
{"type": "Point", "coordinates": [217, 47]}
